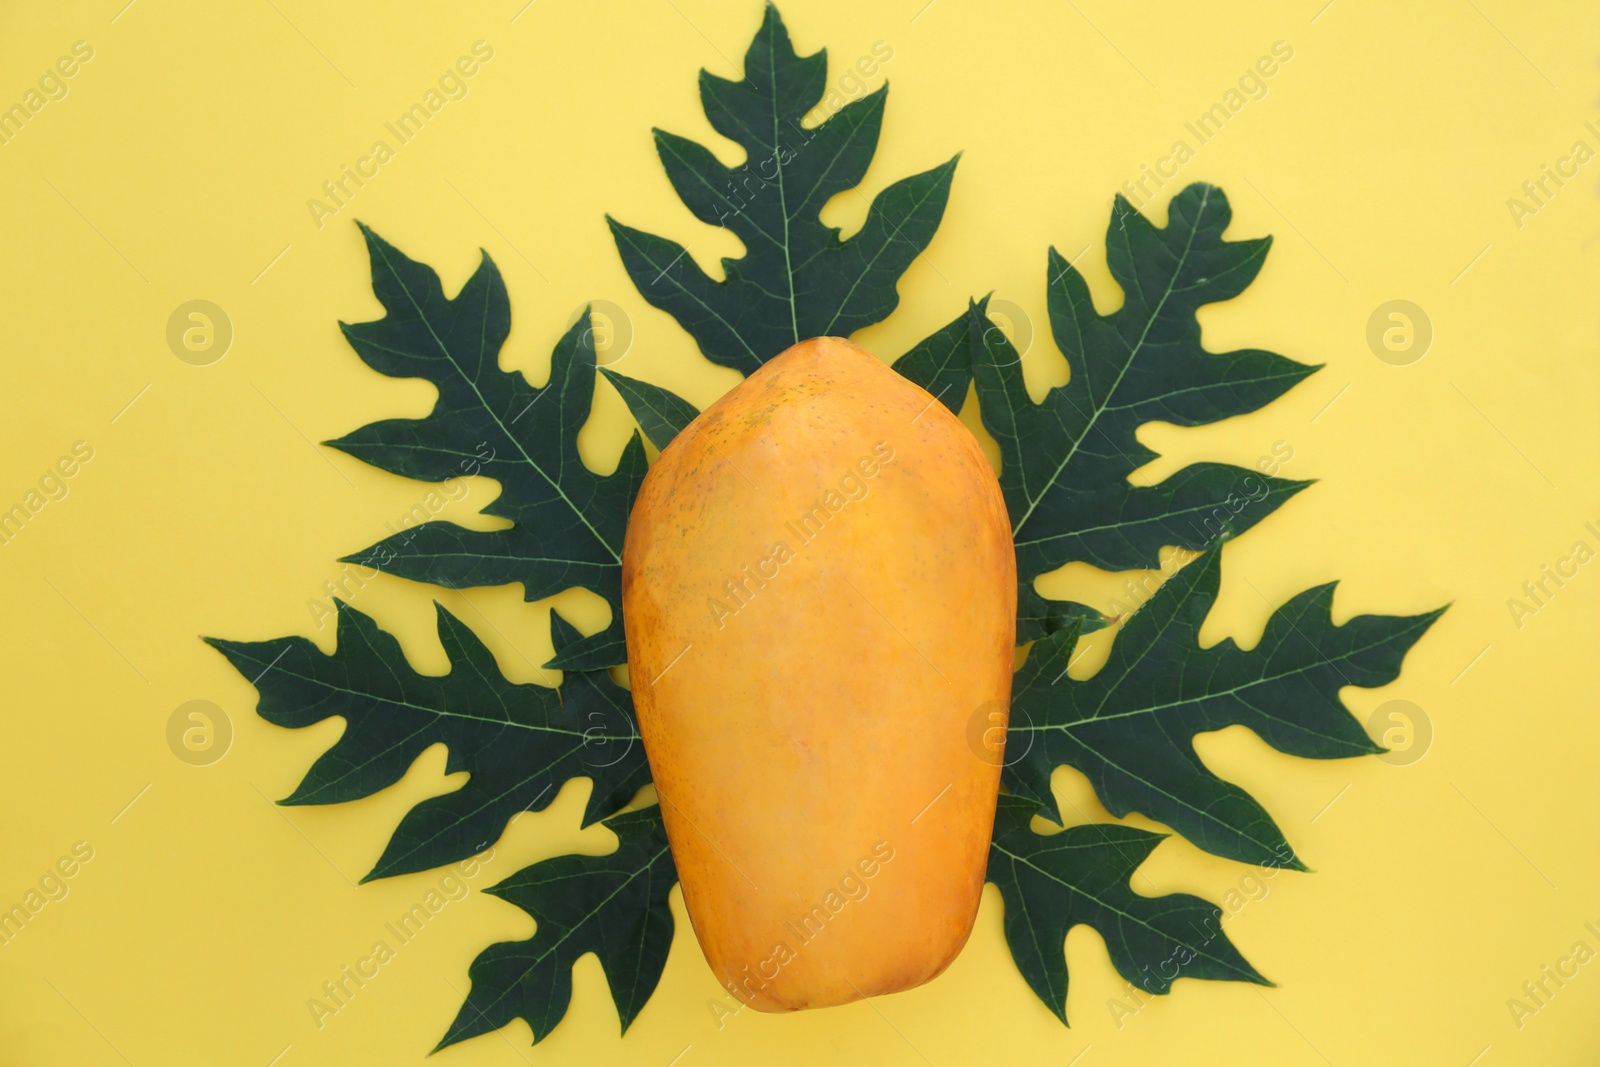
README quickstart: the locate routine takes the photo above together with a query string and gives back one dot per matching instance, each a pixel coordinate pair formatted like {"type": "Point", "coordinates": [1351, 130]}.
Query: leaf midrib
{"type": "Point", "coordinates": [783, 198]}
{"type": "Point", "coordinates": [1283, 485]}
{"type": "Point", "coordinates": [1264, 679]}
{"type": "Point", "coordinates": [441, 713]}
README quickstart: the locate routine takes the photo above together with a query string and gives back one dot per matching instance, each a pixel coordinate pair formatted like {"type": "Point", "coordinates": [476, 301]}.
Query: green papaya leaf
{"type": "Point", "coordinates": [797, 280]}
{"type": "Point", "coordinates": [569, 521]}
{"type": "Point", "coordinates": [661, 415]}
{"type": "Point", "coordinates": [1053, 882]}
{"type": "Point", "coordinates": [614, 906]}
{"type": "Point", "coordinates": [519, 742]}
{"type": "Point", "coordinates": [1065, 461]}
{"type": "Point", "coordinates": [941, 363]}
{"type": "Point", "coordinates": [1130, 727]}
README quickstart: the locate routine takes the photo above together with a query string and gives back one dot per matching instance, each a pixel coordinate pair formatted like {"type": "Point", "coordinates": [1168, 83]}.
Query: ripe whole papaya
{"type": "Point", "coordinates": [819, 589]}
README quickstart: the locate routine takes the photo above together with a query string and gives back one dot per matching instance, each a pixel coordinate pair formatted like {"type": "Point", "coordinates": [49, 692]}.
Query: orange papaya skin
{"type": "Point", "coordinates": [819, 589]}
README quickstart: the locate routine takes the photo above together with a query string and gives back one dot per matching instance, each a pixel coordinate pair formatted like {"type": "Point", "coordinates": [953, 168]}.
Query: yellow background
{"type": "Point", "coordinates": [178, 168]}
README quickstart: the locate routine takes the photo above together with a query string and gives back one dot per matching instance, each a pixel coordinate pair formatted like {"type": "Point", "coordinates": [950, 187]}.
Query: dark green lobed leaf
{"type": "Point", "coordinates": [1130, 728]}
{"type": "Point", "coordinates": [569, 521]}
{"type": "Point", "coordinates": [797, 279]}
{"type": "Point", "coordinates": [519, 742]}
{"type": "Point", "coordinates": [1054, 882]}
{"type": "Point", "coordinates": [941, 363]}
{"type": "Point", "coordinates": [1065, 461]}
{"type": "Point", "coordinates": [661, 415]}
{"type": "Point", "coordinates": [614, 906]}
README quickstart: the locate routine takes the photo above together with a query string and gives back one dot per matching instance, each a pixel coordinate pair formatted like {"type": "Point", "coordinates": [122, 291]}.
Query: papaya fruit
{"type": "Point", "coordinates": [819, 593]}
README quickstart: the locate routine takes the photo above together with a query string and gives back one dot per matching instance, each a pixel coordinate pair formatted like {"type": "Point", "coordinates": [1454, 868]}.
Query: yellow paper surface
{"type": "Point", "coordinates": [176, 164]}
